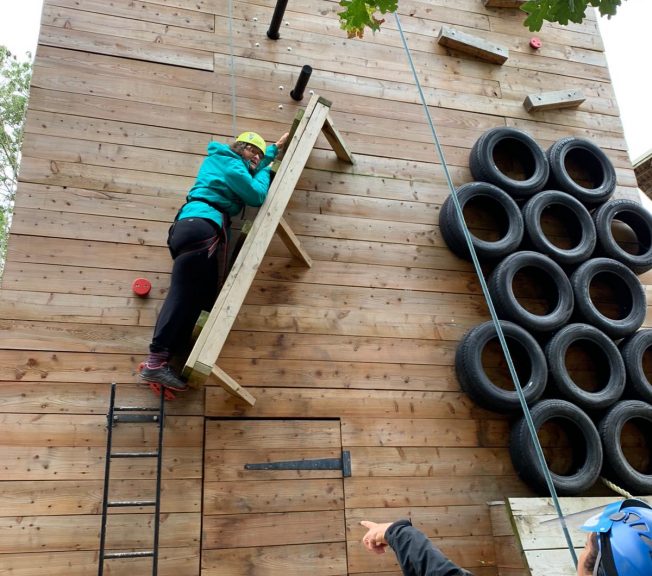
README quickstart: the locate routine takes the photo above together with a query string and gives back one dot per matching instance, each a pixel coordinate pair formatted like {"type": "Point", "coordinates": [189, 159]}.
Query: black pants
{"type": "Point", "coordinates": [194, 284]}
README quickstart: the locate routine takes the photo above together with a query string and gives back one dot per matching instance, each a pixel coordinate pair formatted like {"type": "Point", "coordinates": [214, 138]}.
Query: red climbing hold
{"type": "Point", "coordinates": [141, 286]}
{"type": "Point", "coordinates": [535, 43]}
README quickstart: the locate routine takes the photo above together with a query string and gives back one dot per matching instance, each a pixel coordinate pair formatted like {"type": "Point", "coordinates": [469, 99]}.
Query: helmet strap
{"type": "Point", "coordinates": [605, 563]}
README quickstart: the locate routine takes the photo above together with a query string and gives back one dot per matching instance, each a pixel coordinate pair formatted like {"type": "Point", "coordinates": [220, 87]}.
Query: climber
{"type": "Point", "coordinates": [230, 178]}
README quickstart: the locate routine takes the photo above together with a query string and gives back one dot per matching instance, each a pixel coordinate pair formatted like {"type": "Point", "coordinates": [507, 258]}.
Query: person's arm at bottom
{"type": "Point", "coordinates": [415, 553]}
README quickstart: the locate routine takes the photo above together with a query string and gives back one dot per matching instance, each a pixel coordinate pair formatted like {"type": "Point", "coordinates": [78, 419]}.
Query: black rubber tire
{"type": "Point", "coordinates": [633, 349]}
{"type": "Point", "coordinates": [517, 145]}
{"type": "Point", "coordinates": [580, 221]}
{"type": "Point", "coordinates": [556, 352]}
{"type": "Point", "coordinates": [587, 440]}
{"type": "Point", "coordinates": [476, 383]}
{"type": "Point", "coordinates": [452, 229]}
{"type": "Point", "coordinates": [633, 317]}
{"type": "Point", "coordinates": [616, 463]}
{"type": "Point", "coordinates": [590, 156]}
{"type": "Point", "coordinates": [639, 219]}
{"type": "Point", "coordinates": [508, 307]}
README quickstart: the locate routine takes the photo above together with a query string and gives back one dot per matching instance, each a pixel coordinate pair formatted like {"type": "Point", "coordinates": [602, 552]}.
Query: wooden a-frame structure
{"type": "Point", "coordinates": [201, 363]}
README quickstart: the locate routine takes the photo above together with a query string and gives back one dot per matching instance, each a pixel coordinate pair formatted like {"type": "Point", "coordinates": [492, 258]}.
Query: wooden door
{"type": "Point", "coordinates": [272, 522]}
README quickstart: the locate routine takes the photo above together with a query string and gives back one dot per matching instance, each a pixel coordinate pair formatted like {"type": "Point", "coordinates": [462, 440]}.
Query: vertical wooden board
{"type": "Point", "coordinates": [509, 555]}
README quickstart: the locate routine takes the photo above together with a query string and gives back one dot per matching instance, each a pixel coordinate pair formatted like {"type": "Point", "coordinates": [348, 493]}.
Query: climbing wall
{"type": "Point", "coordinates": [125, 97]}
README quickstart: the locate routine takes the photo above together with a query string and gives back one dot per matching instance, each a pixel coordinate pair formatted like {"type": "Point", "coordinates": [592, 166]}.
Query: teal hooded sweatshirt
{"type": "Point", "coordinates": [224, 184]}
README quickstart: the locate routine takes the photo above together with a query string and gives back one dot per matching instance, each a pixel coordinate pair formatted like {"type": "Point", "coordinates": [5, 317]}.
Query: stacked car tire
{"type": "Point", "coordinates": [593, 300]}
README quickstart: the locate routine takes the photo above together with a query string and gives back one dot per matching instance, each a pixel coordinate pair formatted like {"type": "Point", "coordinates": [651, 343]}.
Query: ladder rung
{"type": "Point", "coordinates": [142, 554]}
{"type": "Point", "coordinates": [135, 409]}
{"type": "Point", "coordinates": [134, 454]}
{"type": "Point", "coordinates": [135, 417]}
{"type": "Point", "coordinates": [117, 503]}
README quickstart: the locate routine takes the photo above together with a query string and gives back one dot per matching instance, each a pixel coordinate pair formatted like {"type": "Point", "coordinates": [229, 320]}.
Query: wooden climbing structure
{"type": "Point", "coordinates": [349, 360]}
{"type": "Point", "coordinates": [202, 360]}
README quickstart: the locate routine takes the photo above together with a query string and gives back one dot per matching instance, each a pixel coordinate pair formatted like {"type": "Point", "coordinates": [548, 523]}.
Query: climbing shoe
{"type": "Point", "coordinates": [164, 376]}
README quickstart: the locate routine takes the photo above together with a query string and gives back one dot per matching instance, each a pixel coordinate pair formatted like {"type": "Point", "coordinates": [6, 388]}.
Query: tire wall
{"type": "Point", "coordinates": [562, 276]}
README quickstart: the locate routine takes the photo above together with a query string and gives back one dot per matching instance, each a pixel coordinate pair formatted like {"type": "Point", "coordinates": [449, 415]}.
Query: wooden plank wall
{"type": "Point", "coordinates": [125, 97]}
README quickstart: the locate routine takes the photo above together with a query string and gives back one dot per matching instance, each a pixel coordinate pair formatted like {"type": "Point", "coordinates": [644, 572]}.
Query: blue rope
{"type": "Point", "coordinates": [232, 65]}
{"type": "Point", "coordinates": [492, 311]}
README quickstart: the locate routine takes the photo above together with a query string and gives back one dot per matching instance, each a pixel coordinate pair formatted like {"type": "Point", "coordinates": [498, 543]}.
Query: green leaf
{"type": "Point", "coordinates": [360, 14]}
{"type": "Point", "coordinates": [564, 11]}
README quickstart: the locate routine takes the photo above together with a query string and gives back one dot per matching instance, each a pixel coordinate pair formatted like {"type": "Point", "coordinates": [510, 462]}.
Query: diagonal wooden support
{"type": "Point", "coordinates": [202, 359]}
{"type": "Point", "coordinates": [231, 386]}
{"type": "Point", "coordinates": [292, 243]}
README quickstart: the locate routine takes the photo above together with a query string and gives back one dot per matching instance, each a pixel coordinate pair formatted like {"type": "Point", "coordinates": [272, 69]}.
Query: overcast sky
{"type": "Point", "coordinates": [625, 38]}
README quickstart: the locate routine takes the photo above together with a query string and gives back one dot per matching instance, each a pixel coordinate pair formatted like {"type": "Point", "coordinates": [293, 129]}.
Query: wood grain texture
{"type": "Point", "coordinates": [355, 353]}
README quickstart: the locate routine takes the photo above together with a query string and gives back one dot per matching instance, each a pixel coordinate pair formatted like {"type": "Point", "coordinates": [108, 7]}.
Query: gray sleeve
{"type": "Point", "coordinates": [417, 555]}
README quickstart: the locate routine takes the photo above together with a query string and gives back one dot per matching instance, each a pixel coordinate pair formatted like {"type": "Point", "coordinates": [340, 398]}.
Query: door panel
{"type": "Point", "coordinates": [237, 530]}
{"type": "Point", "coordinates": [272, 522]}
{"type": "Point", "coordinates": [312, 559]}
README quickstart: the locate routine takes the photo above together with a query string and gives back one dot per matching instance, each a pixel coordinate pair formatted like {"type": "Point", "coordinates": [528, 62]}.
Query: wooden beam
{"type": "Point", "coordinates": [335, 140]}
{"type": "Point", "coordinates": [292, 243]}
{"type": "Point", "coordinates": [553, 100]}
{"type": "Point", "coordinates": [504, 3]}
{"type": "Point", "coordinates": [478, 47]}
{"type": "Point", "coordinates": [231, 386]}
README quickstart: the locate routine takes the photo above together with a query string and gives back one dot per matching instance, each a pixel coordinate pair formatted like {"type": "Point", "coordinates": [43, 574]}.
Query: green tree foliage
{"type": "Point", "coordinates": [15, 76]}
{"type": "Point", "coordinates": [564, 11]}
{"type": "Point", "coordinates": [361, 14]}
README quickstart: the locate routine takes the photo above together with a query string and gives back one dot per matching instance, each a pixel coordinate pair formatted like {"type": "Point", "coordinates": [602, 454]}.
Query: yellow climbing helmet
{"type": "Point", "coordinates": [253, 139]}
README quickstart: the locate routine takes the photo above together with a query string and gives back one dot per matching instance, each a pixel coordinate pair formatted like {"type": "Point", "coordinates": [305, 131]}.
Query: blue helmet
{"type": "Point", "coordinates": [625, 538]}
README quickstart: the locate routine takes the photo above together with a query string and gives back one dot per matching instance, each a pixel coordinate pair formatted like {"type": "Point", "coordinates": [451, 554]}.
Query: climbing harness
{"type": "Point", "coordinates": [485, 291]}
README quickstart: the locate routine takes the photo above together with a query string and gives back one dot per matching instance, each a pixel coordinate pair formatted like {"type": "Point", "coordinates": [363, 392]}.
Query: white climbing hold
{"type": "Point", "coordinates": [281, 88]}
{"type": "Point", "coordinates": [280, 106]}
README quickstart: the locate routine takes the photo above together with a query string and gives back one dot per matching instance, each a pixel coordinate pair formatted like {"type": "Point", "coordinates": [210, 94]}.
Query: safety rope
{"type": "Point", "coordinates": [617, 489]}
{"type": "Point", "coordinates": [492, 311]}
{"type": "Point", "coordinates": [232, 70]}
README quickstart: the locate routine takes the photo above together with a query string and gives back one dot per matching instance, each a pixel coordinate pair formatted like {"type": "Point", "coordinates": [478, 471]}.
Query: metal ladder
{"type": "Point", "coordinates": [130, 414]}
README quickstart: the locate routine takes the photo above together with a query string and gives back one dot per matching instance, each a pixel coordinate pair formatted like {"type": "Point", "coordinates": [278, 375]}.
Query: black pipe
{"type": "Point", "coordinates": [302, 82]}
{"type": "Point", "coordinates": [277, 17]}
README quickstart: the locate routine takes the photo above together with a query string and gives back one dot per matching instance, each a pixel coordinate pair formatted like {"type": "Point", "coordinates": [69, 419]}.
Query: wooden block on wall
{"type": "Point", "coordinates": [504, 3]}
{"type": "Point", "coordinates": [553, 100]}
{"type": "Point", "coordinates": [473, 45]}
